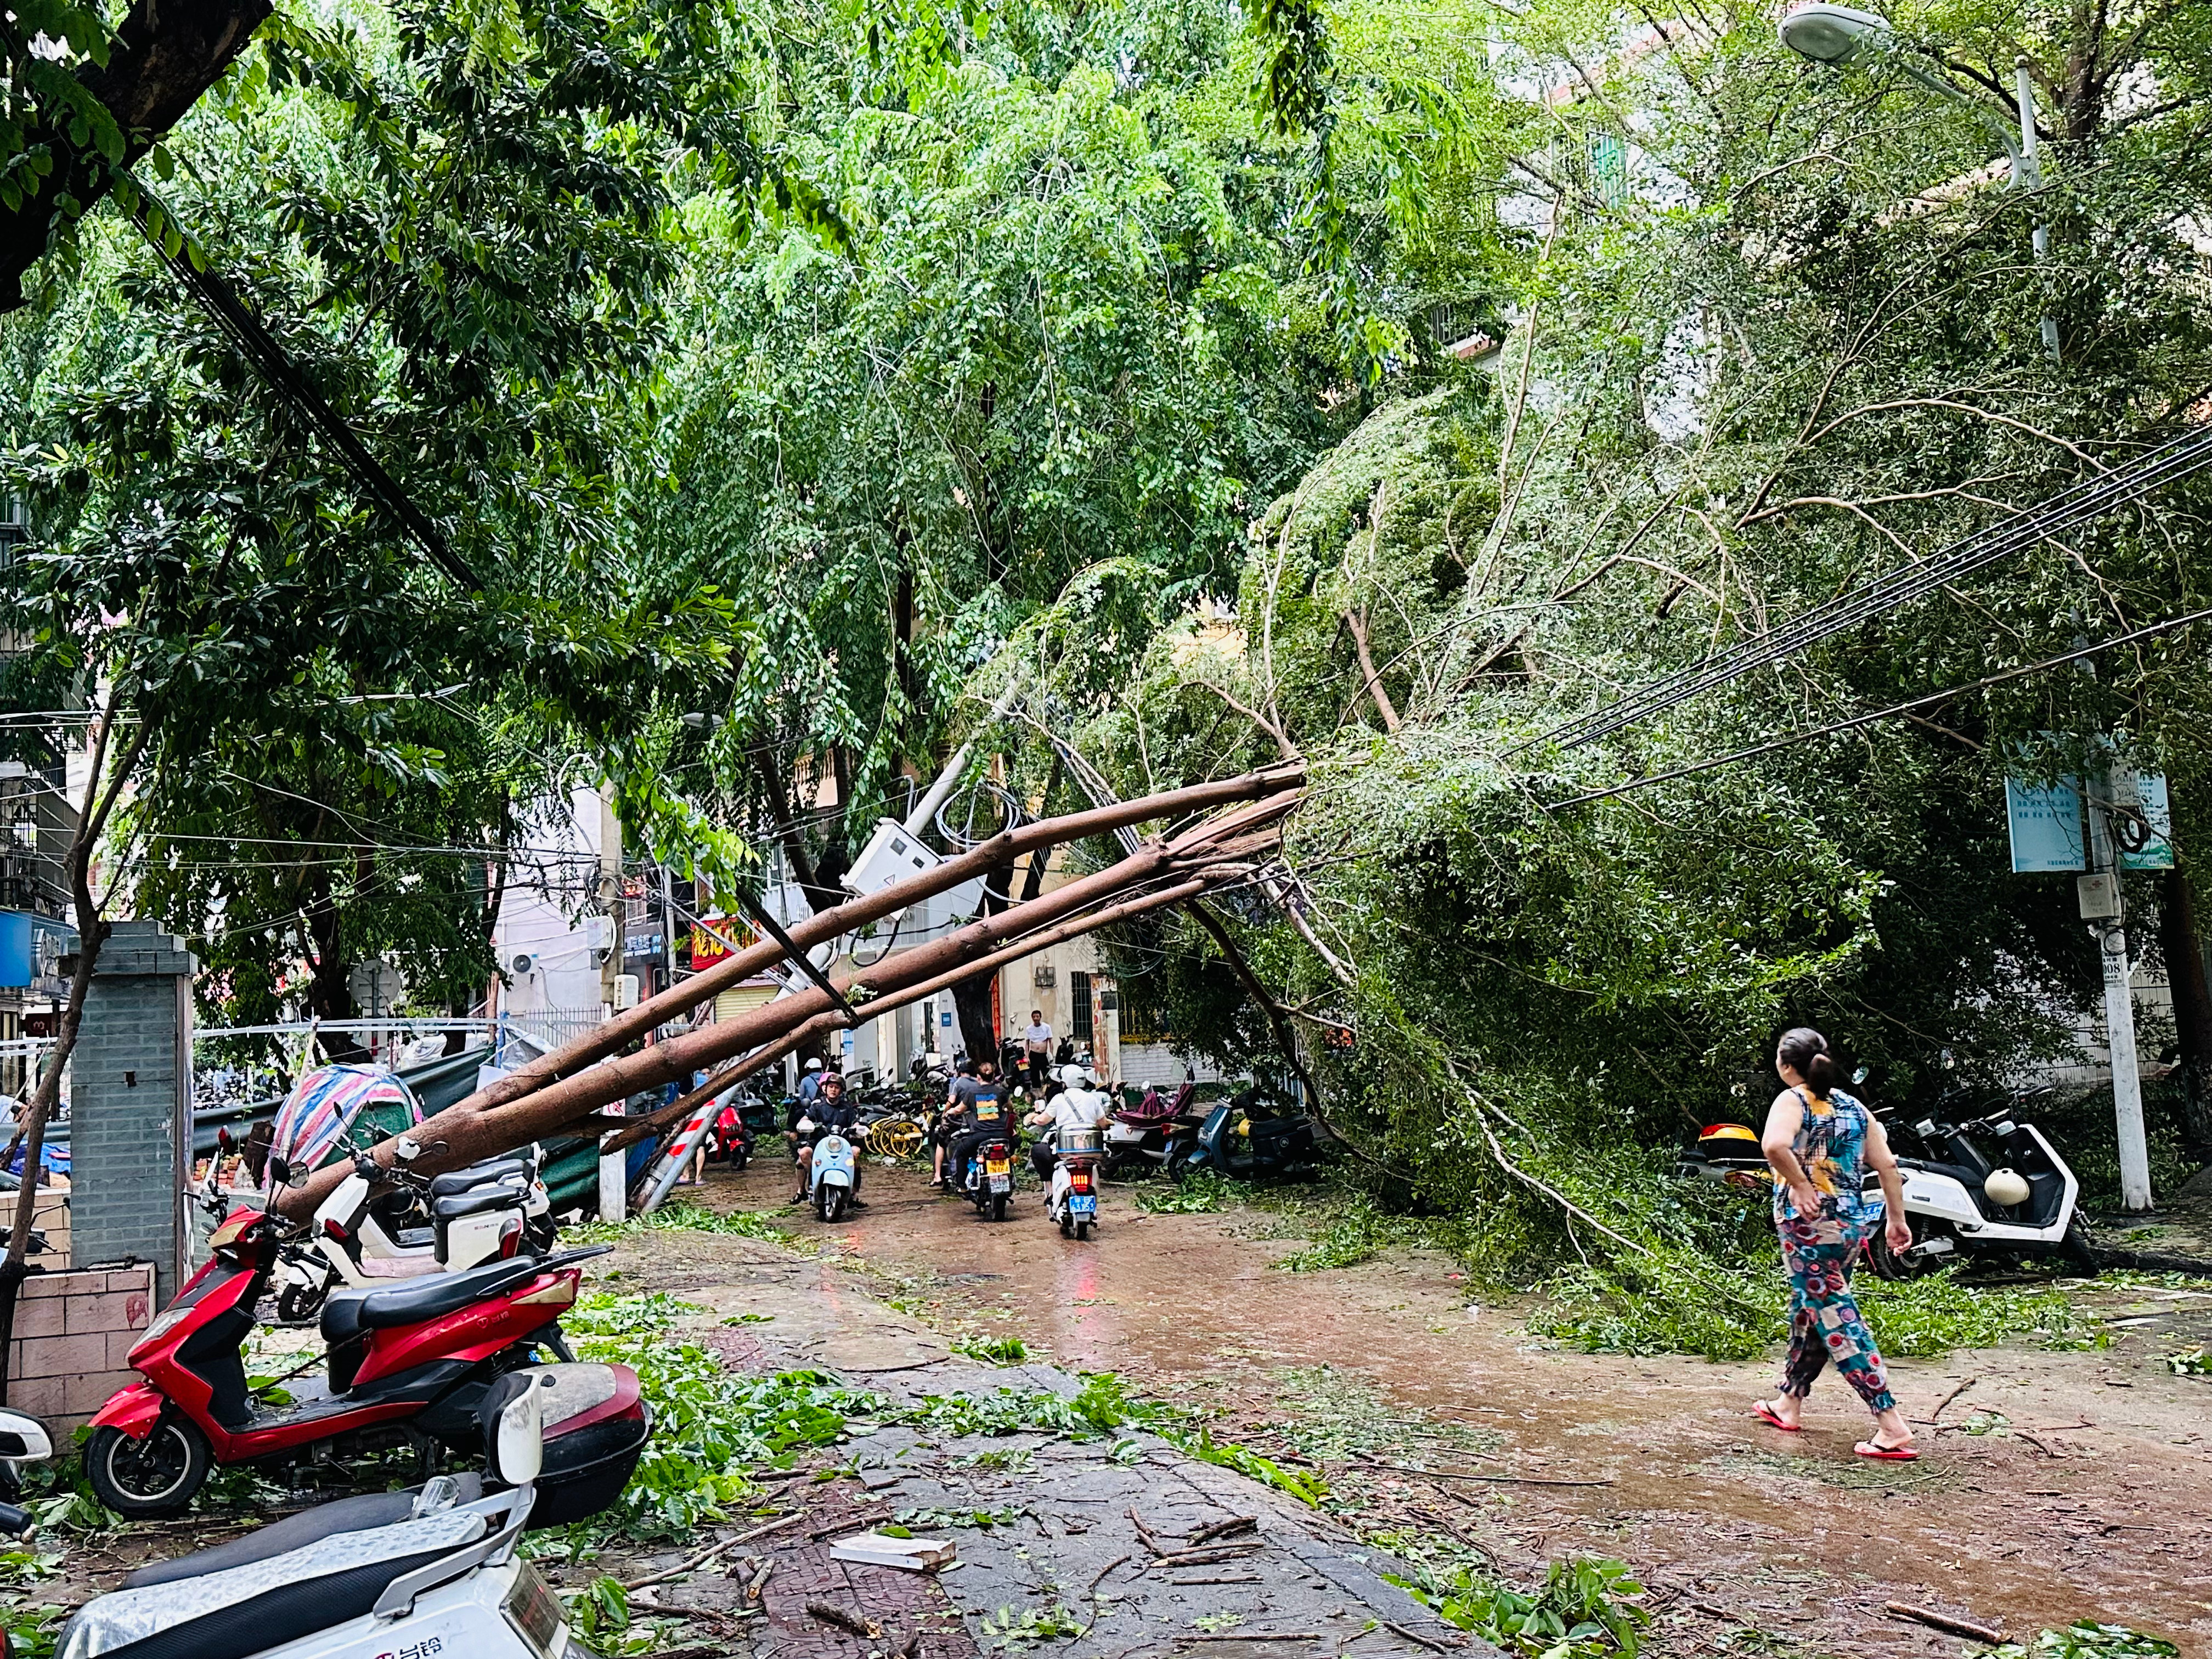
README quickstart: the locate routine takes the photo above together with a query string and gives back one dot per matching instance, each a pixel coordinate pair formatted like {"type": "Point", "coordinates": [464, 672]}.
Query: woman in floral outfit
{"type": "Point", "coordinates": [1819, 1141]}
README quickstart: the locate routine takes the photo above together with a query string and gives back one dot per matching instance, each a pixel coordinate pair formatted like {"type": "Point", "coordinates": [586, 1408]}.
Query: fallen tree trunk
{"type": "Point", "coordinates": [633, 1026]}
{"type": "Point", "coordinates": [889, 999]}
{"type": "Point", "coordinates": [477, 1128]}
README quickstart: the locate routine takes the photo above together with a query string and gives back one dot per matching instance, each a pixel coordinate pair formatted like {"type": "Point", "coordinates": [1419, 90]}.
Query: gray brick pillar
{"type": "Point", "coordinates": [131, 1109]}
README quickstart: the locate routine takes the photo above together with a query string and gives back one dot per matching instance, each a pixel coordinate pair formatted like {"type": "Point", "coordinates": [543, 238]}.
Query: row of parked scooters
{"type": "Point", "coordinates": [444, 1336]}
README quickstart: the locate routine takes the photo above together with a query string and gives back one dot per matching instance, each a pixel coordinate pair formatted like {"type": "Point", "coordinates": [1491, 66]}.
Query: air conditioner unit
{"type": "Point", "coordinates": [523, 962]}
{"type": "Point", "coordinates": [1046, 976]}
{"type": "Point", "coordinates": [625, 990]}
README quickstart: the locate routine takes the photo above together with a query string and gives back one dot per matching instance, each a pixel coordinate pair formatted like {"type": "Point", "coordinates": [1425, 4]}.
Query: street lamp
{"type": "Point", "coordinates": [1828, 33]}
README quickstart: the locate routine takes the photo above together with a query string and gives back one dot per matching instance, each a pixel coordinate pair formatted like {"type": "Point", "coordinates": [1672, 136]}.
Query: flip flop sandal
{"type": "Point", "coordinates": [1766, 1414]}
{"type": "Point", "coordinates": [1879, 1453]}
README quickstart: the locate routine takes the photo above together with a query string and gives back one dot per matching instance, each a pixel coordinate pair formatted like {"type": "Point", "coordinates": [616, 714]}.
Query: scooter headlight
{"type": "Point", "coordinates": [162, 1325]}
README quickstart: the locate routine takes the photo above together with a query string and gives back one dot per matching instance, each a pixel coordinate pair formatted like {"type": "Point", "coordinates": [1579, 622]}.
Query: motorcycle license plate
{"type": "Point", "coordinates": [533, 1610]}
{"type": "Point", "coordinates": [997, 1166]}
{"type": "Point", "coordinates": [1002, 1183]}
{"type": "Point", "coordinates": [1082, 1204]}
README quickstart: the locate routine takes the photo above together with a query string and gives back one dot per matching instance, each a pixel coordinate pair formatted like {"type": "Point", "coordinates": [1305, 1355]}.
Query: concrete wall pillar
{"type": "Point", "coordinates": [130, 1106]}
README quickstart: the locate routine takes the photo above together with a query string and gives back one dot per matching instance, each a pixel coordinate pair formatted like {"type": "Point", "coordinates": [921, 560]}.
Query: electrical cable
{"type": "Point", "coordinates": [274, 364]}
{"type": "Point", "coordinates": [2084, 502]}
{"type": "Point", "coordinates": [1893, 710]}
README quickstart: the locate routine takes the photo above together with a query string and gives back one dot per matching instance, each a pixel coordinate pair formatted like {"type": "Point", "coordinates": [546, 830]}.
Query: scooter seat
{"type": "Point", "coordinates": [431, 1296]}
{"type": "Point", "coordinates": [356, 1514]}
{"type": "Point", "coordinates": [232, 1610]}
{"type": "Point", "coordinates": [477, 1201]}
{"type": "Point", "coordinates": [481, 1175]}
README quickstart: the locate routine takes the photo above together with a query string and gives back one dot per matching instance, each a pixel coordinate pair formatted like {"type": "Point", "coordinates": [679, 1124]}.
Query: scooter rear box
{"type": "Point", "coordinates": [596, 1424]}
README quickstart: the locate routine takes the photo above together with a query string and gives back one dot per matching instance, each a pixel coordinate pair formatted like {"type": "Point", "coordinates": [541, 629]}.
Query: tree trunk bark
{"type": "Point", "coordinates": [2184, 949]}
{"type": "Point", "coordinates": [166, 54]}
{"type": "Point", "coordinates": [566, 1084]}
{"type": "Point", "coordinates": [101, 794]}
{"type": "Point", "coordinates": [813, 1030]}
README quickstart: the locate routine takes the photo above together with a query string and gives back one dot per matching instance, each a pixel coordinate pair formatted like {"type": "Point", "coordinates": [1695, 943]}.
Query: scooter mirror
{"type": "Point", "coordinates": [520, 1452]}
{"type": "Point", "coordinates": [289, 1172]}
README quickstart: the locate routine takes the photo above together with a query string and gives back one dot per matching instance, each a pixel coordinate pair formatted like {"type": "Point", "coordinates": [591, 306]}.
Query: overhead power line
{"type": "Point", "coordinates": [1895, 709]}
{"type": "Point", "coordinates": [2068, 510]}
{"type": "Point", "coordinates": [274, 364]}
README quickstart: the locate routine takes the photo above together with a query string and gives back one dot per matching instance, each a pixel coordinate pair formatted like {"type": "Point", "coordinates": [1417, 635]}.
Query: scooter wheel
{"type": "Point", "coordinates": [299, 1305]}
{"type": "Point", "coordinates": [150, 1479]}
{"type": "Point", "coordinates": [998, 1207]}
{"type": "Point", "coordinates": [1083, 1231]}
{"type": "Point", "coordinates": [1885, 1263]}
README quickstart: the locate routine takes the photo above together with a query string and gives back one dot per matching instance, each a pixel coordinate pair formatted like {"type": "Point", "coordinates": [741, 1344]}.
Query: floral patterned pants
{"type": "Point", "coordinates": [1824, 1324]}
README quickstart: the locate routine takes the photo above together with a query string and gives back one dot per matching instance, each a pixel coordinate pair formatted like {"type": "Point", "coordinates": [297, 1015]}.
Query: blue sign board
{"type": "Point", "coordinates": [2046, 821]}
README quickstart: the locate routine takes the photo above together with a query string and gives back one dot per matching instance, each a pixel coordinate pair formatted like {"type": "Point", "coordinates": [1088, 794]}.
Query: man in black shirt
{"type": "Point", "coordinates": [980, 1107]}
{"type": "Point", "coordinates": [829, 1111]}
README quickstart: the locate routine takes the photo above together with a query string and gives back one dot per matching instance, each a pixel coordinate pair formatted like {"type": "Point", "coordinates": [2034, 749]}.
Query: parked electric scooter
{"type": "Point", "coordinates": [362, 1235]}
{"type": "Point", "coordinates": [407, 1362]}
{"type": "Point", "coordinates": [1154, 1134]}
{"type": "Point", "coordinates": [1246, 1137]}
{"type": "Point", "coordinates": [1986, 1184]}
{"type": "Point", "coordinates": [434, 1572]}
{"type": "Point", "coordinates": [22, 1440]}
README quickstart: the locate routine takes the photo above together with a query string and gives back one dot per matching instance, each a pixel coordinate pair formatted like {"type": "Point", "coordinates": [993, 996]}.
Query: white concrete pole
{"type": "Point", "coordinates": [614, 1191]}
{"type": "Point", "coordinates": [2109, 932]}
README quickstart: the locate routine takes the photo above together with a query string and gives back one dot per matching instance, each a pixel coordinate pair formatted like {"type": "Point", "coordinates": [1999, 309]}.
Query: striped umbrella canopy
{"type": "Point", "coordinates": [325, 1103]}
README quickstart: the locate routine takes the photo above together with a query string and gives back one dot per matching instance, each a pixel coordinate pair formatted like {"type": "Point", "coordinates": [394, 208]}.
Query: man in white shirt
{"type": "Point", "coordinates": [1036, 1043]}
{"type": "Point", "coordinates": [1082, 1104]}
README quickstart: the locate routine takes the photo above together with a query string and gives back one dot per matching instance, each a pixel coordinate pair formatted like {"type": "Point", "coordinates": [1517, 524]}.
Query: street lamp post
{"type": "Point", "coordinates": [1828, 33]}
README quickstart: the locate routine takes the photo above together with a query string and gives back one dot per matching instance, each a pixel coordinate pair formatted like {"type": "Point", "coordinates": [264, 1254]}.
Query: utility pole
{"type": "Point", "coordinates": [2103, 908]}
{"type": "Point", "coordinates": [667, 928]}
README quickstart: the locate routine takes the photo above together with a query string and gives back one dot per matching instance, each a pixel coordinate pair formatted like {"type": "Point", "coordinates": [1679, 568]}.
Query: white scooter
{"type": "Point", "coordinates": [366, 1577]}
{"type": "Point", "coordinates": [485, 1213]}
{"type": "Point", "coordinates": [22, 1440]}
{"type": "Point", "coordinates": [1072, 1202]}
{"type": "Point", "coordinates": [1991, 1184]}
{"type": "Point", "coordinates": [829, 1174]}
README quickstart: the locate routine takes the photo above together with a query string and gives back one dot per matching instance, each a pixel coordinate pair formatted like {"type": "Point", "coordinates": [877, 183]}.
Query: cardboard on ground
{"type": "Point", "coordinates": [881, 1550]}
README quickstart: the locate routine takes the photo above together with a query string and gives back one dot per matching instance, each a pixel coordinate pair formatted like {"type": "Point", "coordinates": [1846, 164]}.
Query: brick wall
{"type": "Point", "coordinates": [72, 1332]}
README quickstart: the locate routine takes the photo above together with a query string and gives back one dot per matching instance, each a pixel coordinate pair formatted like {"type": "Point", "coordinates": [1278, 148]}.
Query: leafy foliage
{"type": "Point", "coordinates": [2087, 1639]}
{"type": "Point", "coordinates": [1584, 1609]}
{"type": "Point", "coordinates": [1685, 1303]}
{"type": "Point", "coordinates": [712, 1427]}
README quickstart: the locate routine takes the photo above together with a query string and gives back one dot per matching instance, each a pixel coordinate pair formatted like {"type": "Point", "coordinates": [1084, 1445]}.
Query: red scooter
{"type": "Point", "coordinates": [408, 1363]}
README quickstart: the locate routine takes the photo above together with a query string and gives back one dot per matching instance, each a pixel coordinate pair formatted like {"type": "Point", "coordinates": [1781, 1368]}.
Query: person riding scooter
{"type": "Point", "coordinates": [829, 1111]}
{"type": "Point", "coordinates": [1080, 1103]}
{"type": "Point", "coordinates": [949, 1119]}
{"type": "Point", "coordinates": [979, 1104]}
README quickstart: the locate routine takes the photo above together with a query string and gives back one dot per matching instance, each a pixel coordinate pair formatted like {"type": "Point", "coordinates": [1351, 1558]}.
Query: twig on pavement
{"type": "Point", "coordinates": [1933, 1415]}
{"type": "Point", "coordinates": [1944, 1621]}
{"type": "Point", "coordinates": [680, 1568]}
{"type": "Point", "coordinates": [1415, 1636]}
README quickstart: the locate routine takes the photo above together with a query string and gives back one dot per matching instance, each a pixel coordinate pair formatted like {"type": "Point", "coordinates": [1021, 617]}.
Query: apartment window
{"type": "Point", "coordinates": [1079, 1007]}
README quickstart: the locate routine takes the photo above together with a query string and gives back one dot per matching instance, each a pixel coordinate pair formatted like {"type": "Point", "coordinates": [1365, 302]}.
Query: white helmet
{"type": "Point", "coordinates": [814, 1064]}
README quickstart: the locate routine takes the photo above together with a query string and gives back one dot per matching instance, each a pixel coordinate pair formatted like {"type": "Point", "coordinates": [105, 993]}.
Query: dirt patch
{"type": "Point", "coordinates": [2056, 1486]}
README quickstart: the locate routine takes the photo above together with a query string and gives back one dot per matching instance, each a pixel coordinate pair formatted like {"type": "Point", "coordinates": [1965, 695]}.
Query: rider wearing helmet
{"type": "Point", "coordinates": [830, 1111]}
{"type": "Point", "coordinates": [1082, 1104]}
